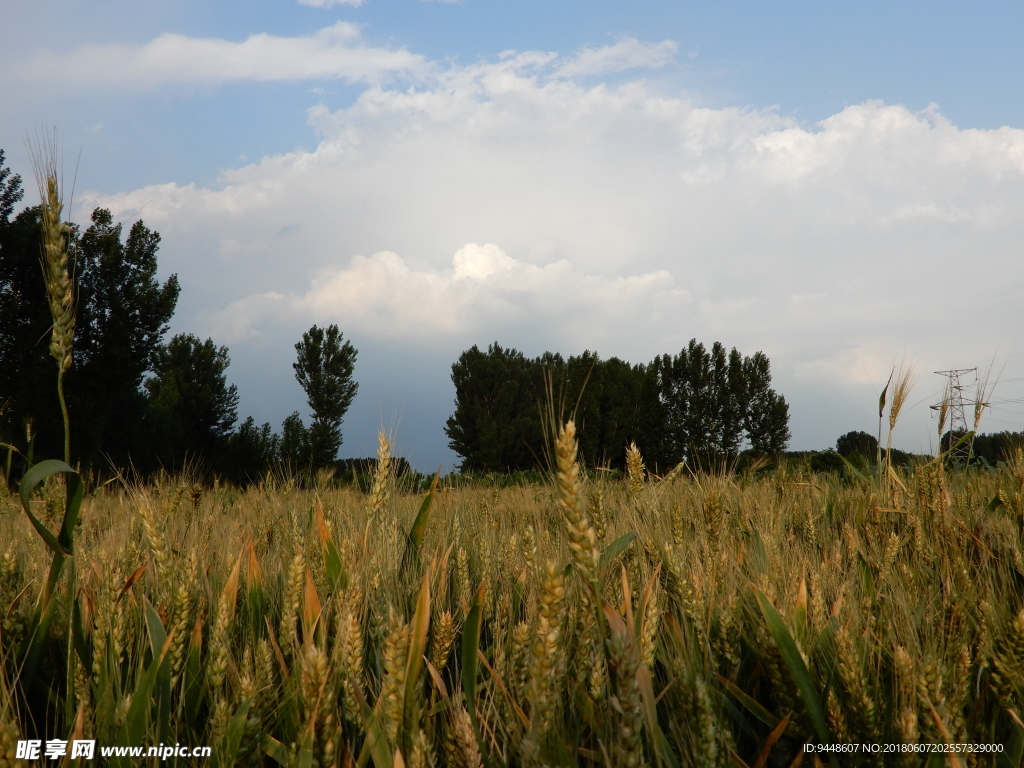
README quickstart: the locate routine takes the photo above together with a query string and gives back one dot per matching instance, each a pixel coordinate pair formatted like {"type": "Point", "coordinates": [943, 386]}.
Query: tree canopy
{"type": "Point", "coordinates": [323, 367]}
{"type": "Point", "coordinates": [135, 400]}
{"type": "Point", "coordinates": [699, 405]}
{"type": "Point", "coordinates": [858, 445]}
{"type": "Point", "coordinates": [122, 316]}
{"type": "Point", "coordinates": [193, 406]}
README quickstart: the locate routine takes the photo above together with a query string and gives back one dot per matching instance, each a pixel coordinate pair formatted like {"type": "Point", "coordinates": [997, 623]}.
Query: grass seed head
{"type": "Point", "coordinates": [582, 537]}
{"type": "Point", "coordinates": [381, 491]}
{"type": "Point", "coordinates": [903, 384]}
{"type": "Point", "coordinates": [442, 640]}
{"type": "Point", "coordinates": [635, 470]}
{"type": "Point", "coordinates": [465, 739]}
{"type": "Point", "coordinates": [56, 276]}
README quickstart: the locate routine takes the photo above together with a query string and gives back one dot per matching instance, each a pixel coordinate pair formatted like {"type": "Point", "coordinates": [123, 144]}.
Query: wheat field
{"type": "Point", "coordinates": [688, 620]}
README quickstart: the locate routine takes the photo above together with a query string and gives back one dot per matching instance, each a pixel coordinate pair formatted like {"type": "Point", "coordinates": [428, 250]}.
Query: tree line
{"type": "Point", "coordinates": [861, 451]}
{"type": "Point", "coordinates": [700, 405]}
{"type": "Point", "coordinates": [139, 400]}
{"type": "Point", "coordinates": [136, 399]}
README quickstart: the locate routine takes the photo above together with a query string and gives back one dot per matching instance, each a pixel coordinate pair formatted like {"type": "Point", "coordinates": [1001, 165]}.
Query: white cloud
{"type": "Point", "coordinates": [875, 234]}
{"type": "Point", "coordinates": [484, 291]}
{"type": "Point", "coordinates": [628, 53]}
{"type": "Point", "coordinates": [334, 52]}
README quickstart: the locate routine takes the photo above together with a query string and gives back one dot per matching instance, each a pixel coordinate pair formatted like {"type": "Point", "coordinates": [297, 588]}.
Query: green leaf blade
{"type": "Point", "coordinates": [795, 664]}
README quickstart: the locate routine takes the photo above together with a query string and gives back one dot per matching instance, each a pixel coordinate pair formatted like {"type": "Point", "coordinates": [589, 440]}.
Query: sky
{"type": "Point", "coordinates": [839, 185]}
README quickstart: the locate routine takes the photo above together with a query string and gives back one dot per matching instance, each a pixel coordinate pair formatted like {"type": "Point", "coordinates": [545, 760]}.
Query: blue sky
{"type": "Point", "coordinates": [807, 59]}
{"type": "Point", "coordinates": [799, 178]}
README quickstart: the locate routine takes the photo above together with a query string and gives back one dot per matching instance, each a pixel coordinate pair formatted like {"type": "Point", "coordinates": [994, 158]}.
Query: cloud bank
{"type": "Point", "coordinates": [334, 52]}
{"type": "Point", "coordinates": [620, 218]}
{"type": "Point", "coordinates": [484, 291]}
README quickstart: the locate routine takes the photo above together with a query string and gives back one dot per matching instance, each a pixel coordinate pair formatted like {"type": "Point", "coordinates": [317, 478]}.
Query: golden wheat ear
{"type": "Point", "coordinates": [44, 153]}
{"type": "Point", "coordinates": [582, 536]}
{"type": "Point", "coordinates": [903, 384]}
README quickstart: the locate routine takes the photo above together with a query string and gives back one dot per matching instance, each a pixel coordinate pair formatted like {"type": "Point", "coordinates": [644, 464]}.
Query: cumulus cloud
{"type": "Point", "coordinates": [628, 53]}
{"type": "Point", "coordinates": [620, 218]}
{"type": "Point", "coordinates": [334, 52]}
{"type": "Point", "coordinates": [484, 291]}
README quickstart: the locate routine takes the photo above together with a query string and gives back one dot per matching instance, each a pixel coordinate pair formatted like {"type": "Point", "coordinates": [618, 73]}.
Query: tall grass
{"type": "Point", "coordinates": [706, 621]}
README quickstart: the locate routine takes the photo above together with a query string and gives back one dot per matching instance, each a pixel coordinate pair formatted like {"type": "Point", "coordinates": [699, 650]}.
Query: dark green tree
{"type": "Point", "coordinates": [11, 192]}
{"type": "Point", "coordinates": [858, 444]}
{"type": "Point", "coordinates": [14, 325]}
{"type": "Point", "coordinates": [26, 368]}
{"type": "Point", "coordinates": [324, 367]}
{"type": "Point", "coordinates": [705, 398]}
{"type": "Point", "coordinates": [122, 315]}
{"type": "Point", "coordinates": [252, 451]}
{"type": "Point", "coordinates": [496, 424]}
{"type": "Point", "coordinates": [294, 442]}
{"type": "Point", "coordinates": [766, 412]}
{"type": "Point", "coordinates": [193, 406]}
{"type": "Point", "coordinates": [702, 405]}
{"type": "Point", "coordinates": [614, 404]}
{"type": "Point", "coordinates": [715, 400]}
{"type": "Point", "coordinates": [122, 318]}
{"type": "Point", "coordinates": [502, 401]}
{"type": "Point", "coordinates": [26, 401]}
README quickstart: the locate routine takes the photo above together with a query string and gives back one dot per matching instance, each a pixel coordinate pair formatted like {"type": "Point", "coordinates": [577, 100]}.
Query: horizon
{"type": "Point", "coordinates": [834, 187]}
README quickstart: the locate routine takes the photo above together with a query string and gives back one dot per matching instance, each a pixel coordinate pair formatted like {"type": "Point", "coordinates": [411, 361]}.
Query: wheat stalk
{"type": "Point", "coordinates": [546, 648]}
{"type": "Point", "coordinates": [635, 471]}
{"type": "Point", "coordinates": [883, 651]}
{"type": "Point", "coordinates": [902, 384]}
{"type": "Point", "coordinates": [54, 258]}
{"type": "Point", "coordinates": [582, 537]}
{"type": "Point", "coordinates": [442, 640]}
{"type": "Point", "coordinates": [381, 478]}
{"type": "Point", "coordinates": [465, 739]}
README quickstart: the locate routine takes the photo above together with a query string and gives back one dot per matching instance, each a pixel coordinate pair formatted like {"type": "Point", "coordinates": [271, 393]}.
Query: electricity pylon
{"type": "Point", "coordinates": [954, 406]}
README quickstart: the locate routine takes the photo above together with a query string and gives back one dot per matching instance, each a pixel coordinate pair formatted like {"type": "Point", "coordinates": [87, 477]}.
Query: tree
{"type": "Point", "coordinates": [614, 404]}
{"type": "Point", "coordinates": [252, 451]}
{"type": "Point", "coordinates": [714, 401]}
{"type": "Point", "coordinates": [25, 364]}
{"type": "Point", "coordinates": [992, 447]}
{"type": "Point", "coordinates": [501, 395]}
{"type": "Point", "coordinates": [294, 442]}
{"type": "Point", "coordinates": [11, 192]}
{"type": "Point", "coordinates": [193, 406]}
{"type": "Point", "coordinates": [767, 412]}
{"type": "Point", "coordinates": [858, 444]}
{"type": "Point", "coordinates": [701, 405]}
{"type": "Point", "coordinates": [706, 396]}
{"type": "Point", "coordinates": [26, 369]}
{"type": "Point", "coordinates": [122, 315]}
{"type": "Point", "coordinates": [324, 367]}
{"type": "Point", "coordinates": [496, 424]}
